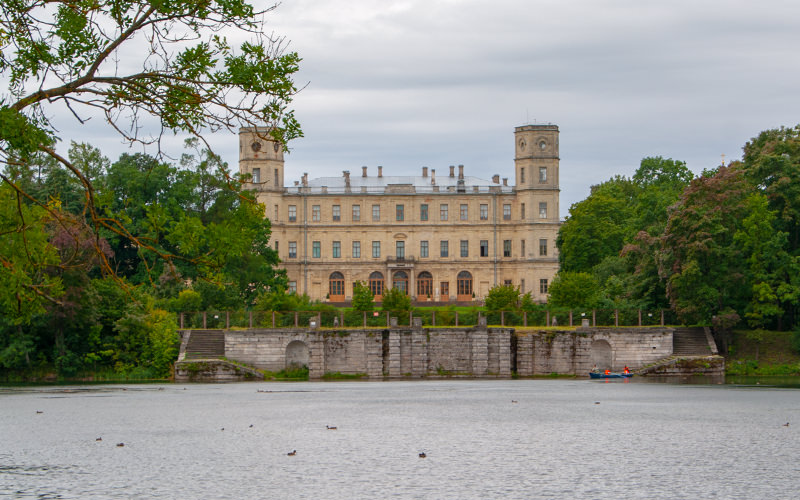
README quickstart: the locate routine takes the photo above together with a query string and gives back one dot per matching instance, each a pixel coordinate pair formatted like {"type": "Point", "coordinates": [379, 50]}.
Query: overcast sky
{"type": "Point", "coordinates": [404, 84]}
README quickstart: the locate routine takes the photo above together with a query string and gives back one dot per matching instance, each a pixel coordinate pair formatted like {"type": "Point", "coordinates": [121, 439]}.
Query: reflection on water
{"type": "Point", "coordinates": [481, 438]}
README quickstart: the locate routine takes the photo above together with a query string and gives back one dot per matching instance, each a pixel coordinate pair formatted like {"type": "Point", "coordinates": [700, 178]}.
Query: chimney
{"type": "Point", "coordinates": [346, 174]}
{"type": "Point", "coordinates": [296, 183]}
{"type": "Point", "coordinates": [461, 172]}
{"type": "Point", "coordinates": [424, 171]}
{"type": "Point", "coordinates": [433, 176]}
{"type": "Point", "coordinates": [380, 171]}
{"type": "Point", "coordinates": [496, 179]}
{"type": "Point", "coordinates": [505, 181]}
{"type": "Point", "coordinates": [452, 171]}
{"type": "Point", "coordinates": [363, 171]}
{"type": "Point", "coordinates": [305, 178]}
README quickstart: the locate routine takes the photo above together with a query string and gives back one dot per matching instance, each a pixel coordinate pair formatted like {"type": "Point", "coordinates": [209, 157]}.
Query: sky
{"type": "Point", "coordinates": [413, 83]}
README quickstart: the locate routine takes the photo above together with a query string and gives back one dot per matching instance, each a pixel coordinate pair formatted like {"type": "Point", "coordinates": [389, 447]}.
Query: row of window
{"type": "Point", "coordinates": [542, 175]}
{"type": "Point", "coordinates": [425, 285]}
{"type": "Point", "coordinates": [400, 249]}
{"type": "Point", "coordinates": [400, 212]}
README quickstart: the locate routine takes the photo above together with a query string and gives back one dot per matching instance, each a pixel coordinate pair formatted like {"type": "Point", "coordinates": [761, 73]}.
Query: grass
{"type": "Point", "coordinates": [762, 353]}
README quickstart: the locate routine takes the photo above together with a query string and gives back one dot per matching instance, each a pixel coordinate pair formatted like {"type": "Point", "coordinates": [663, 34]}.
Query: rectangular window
{"type": "Point", "coordinates": [292, 249]}
{"type": "Point", "coordinates": [542, 175]}
{"type": "Point", "coordinates": [315, 249]}
{"type": "Point", "coordinates": [465, 248]}
{"type": "Point", "coordinates": [277, 180]}
{"type": "Point", "coordinates": [336, 212]}
{"type": "Point", "coordinates": [522, 175]}
{"type": "Point", "coordinates": [423, 211]}
{"type": "Point", "coordinates": [292, 287]}
{"type": "Point", "coordinates": [256, 175]}
{"type": "Point", "coordinates": [376, 249]}
{"type": "Point", "coordinates": [337, 249]}
{"type": "Point", "coordinates": [522, 211]}
{"type": "Point", "coordinates": [507, 211]}
{"type": "Point", "coordinates": [315, 213]}
{"type": "Point", "coordinates": [276, 246]}
{"type": "Point", "coordinates": [506, 248]}
{"type": "Point", "coordinates": [484, 212]}
{"type": "Point", "coordinates": [400, 249]}
{"type": "Point", "coordinates": [522, 249]}
{"type": "Point", "coordinates": [542, 248]}
{"type": "Point", "coordinates": [443, 212]}
{"type": "Point", "coordinates": [292, 213]}
{"type": "Point", "coordinates": [543, 210]}
{"type": "Point", "coordinates": [507, 282]}
{"type": "Point", "coordinates": [444, 290]}
{"type": "Point", "coordinates": [356, 213]}
{"type": "Point", "coordinates": [543, 286]}
{"type": "Point", "coordinates": [464, 212]}
{"type": "Point", "coordinates": [376, 212]}
{"type": "Point", "coordinates": [423, 248]}
{"type": "Point", "coordinates": [484, 248]}
{"type": "Point", "coordinates": [522, 286]}
{"type": "Point", "coordinates": [356, 249]}
{"type": "Point", "coordinates": [399, 212]}
{"type": "Point", "coordinates": [444, 248]}
{"type": "Point", "coordinates": [276, 212]}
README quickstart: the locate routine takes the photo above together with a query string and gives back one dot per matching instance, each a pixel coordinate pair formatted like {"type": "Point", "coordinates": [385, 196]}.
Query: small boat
{"type": "Point", "coordinates": [610, 375]}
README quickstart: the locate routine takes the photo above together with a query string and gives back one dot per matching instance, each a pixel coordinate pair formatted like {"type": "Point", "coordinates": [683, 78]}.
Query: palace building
{"type": "Point", "coordinates": [443, 238]}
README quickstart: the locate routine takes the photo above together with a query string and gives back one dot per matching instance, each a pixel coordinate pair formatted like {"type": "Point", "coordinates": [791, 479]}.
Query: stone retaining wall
{"type": "Point", "coordinates": [402, 352]}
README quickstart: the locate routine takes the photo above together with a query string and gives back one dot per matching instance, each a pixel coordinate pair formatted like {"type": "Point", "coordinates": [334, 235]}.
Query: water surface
{"type": "Point", "coordinates": [482, 439]}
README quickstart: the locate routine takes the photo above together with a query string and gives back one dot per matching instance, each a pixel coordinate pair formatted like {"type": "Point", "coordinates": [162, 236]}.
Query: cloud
{"type": "Point", "coordinates": [412, 83]}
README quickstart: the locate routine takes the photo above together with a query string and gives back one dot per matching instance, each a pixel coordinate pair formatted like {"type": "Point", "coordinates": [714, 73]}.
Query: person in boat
{"type": "Point", "coordinates": [626, 370]}
{"type": "Point", "coordinates": [608, 372]}
{"type": "Point", "coordinates": [595, 370]}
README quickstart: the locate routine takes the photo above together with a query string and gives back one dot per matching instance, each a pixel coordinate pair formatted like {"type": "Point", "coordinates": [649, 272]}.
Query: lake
{"type": "Point", "coordinates": [482, 439]}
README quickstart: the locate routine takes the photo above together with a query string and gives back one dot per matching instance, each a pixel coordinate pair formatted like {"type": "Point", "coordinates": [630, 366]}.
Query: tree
{"type": "Point", "coordinates": [362, 297]}
{"type": "Point", "coordinates": [502, 298]}
{"type": "Point", "coordinates": [73, 57]}
{"type": "Point", "coordinates": [705, 270]}
{"type": "Point", "coordinates": [574, 290]}
{"type": "Point", "coordinates": [396, 301]}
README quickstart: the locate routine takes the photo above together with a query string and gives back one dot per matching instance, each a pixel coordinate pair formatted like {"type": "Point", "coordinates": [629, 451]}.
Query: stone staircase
{"type": "Point", "coordinates": [691, 342]}
{"type": "Point", "coordinates": [205, 344]}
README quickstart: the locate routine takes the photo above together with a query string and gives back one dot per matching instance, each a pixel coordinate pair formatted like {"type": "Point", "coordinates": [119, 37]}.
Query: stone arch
{"type": "Point", "coordinates": [376, 285]}
{"type": "Point", "coordinates": [601, 354]}
{"type": "Point", "coordinates": [424, 285]}
{"type": "Point", "coordinates": [336, 287]}
{"type": "Point", "coordinates": [297, 354]}
{"type": "Point", "coordinates": [464, 286]}
{"type": "Point", "coordinates": [400, 281]}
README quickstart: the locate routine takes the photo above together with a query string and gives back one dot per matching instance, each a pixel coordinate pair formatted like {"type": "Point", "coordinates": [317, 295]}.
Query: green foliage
{"type": "Point", "coordinates": [25, 257]}
{"type": "Point", "coordinates": [502, 298]}
{"type": "Point", "coordinates": [362, 297]}
{"type": "Point", "coordinates": [396, 302]}
{"type": "Point", "coordinates": [574, 290]}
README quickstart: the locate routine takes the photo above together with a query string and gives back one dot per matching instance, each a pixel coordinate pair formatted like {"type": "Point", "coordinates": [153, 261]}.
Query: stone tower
{"type": "Point", "coordinates": [536, 164]}
{"type": "Point", "coordinates": [262, 158]}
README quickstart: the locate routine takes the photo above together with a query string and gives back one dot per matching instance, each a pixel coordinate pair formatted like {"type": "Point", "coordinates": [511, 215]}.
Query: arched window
{"type": "Point", "coordinates": [464, 286]}
{"type": "Point", "coordinates": [424, 285]}
{"type": "Point", "coordinates": [376, 285]}
{"type": "Point", "coordinates": [336, 287]}
{"type": "Point", "coordinates": [400, 281]}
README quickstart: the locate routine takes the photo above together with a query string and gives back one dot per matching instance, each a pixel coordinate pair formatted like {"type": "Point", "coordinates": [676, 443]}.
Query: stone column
{"type": "Point", "coordinates": [504, 352]}
{"type": "Point", "coordinates": [480, 352]}
{"type": "Point", "coordinates": [316, 356]}
{"type": "Point", "coordinates": [374, 352]}
{"type": "Point", "coordinates": [395, 367]}
{"type": "Point", "coordinates": [419, 350]}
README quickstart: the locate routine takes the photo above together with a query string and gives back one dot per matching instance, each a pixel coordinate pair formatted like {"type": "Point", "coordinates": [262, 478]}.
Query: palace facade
{"type": "Point", "coordinates": [442, 238]}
